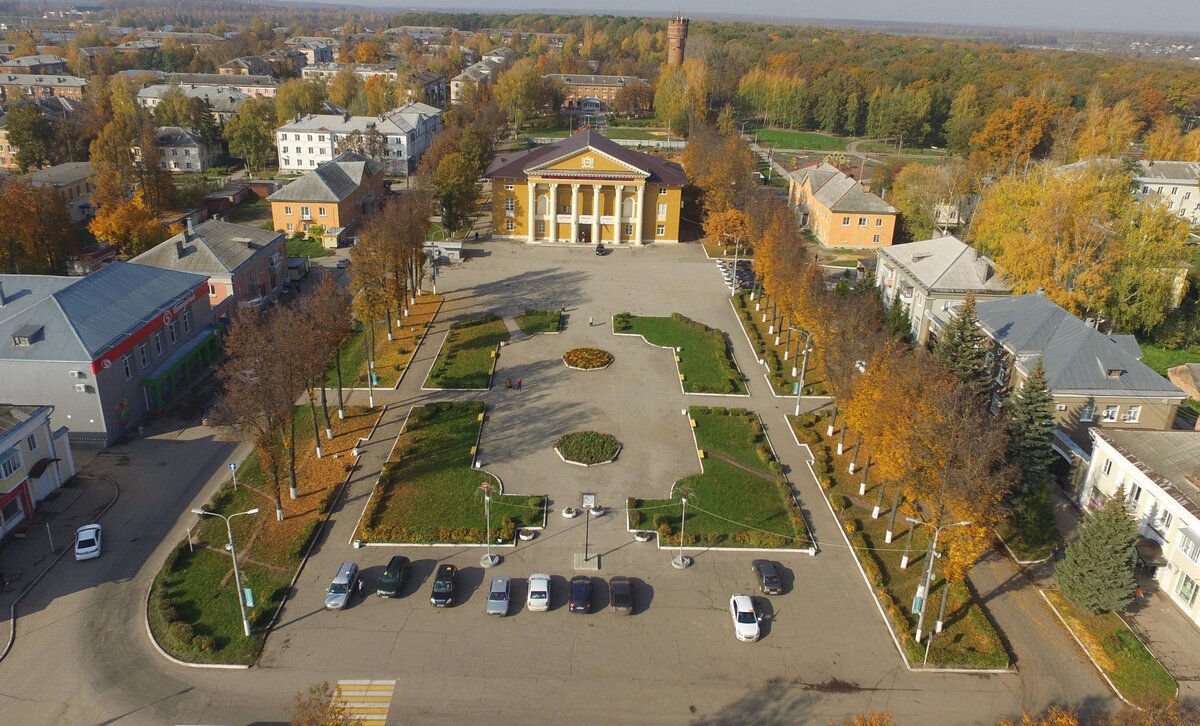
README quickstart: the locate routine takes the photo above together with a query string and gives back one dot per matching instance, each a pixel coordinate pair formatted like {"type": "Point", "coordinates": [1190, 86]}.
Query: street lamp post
{"type": "Point", "coordinates": [682, 561]}
{"type": "Point", "coordinates": [737, 248]}
{"type": "Point", "coordinates": [923, 590]}
{"type": "Point", "coordinates": [803, 364]}
{"type": "Point", "coordinates": [237, 575]}
{"type": "Point", "coordinates": [489, 559]}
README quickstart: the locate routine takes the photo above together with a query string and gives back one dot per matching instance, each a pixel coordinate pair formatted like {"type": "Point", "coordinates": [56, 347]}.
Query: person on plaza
{"type": "Point", "coordinates": [508, 383]}
{"type": "Point", "coordinates": [519, 382]}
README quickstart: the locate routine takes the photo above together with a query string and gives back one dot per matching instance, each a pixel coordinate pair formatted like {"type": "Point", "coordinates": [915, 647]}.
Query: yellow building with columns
{"type": "Point", "coordinates": [586, 189]}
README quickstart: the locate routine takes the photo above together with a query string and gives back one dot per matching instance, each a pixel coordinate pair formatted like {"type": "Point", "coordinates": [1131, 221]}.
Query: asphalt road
{"type": "Point", "coordinates": [83, 656]}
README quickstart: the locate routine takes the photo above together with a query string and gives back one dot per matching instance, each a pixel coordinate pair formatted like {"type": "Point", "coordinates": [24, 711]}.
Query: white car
{"type": "Point", "coordinates": [87, 542]}
{"type": "Point", "coordinates": [497, 602]}
{"type": "Point", "coordinates": [745, 618]}
{"type": "Point", "coordinates": [539, 593]}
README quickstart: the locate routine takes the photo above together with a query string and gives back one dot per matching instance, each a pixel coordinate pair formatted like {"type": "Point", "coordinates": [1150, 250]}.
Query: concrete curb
{"type": "Point", "coordinates": [588, 466]}
{"type": "Point", "coordinates": [173, 659]}
{"type": "Point", "coordinates": [12, 608]}
{"type": "Point", "coordinates": [1079, 642]}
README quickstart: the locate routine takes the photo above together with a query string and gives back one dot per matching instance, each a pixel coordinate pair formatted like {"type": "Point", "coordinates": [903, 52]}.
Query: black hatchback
{"type": "Point", "coordinates": [443, 586]}
{"type": "Point", "coordinates": [768, 577]}
{"type": "Point", "coordinates": [394, 577]}
{"type": "Point", "coordinates": [581, 594]}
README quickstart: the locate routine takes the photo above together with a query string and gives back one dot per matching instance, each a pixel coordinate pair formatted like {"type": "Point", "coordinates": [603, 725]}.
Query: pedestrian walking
{"type": "Point", "coordinates": [360, 587]}
{"type": "Point", "coordinates": [519, 381]}
{"type": "Point", "coordinates": [589, 322]}
{"type": "Point", "coordinates": [508, 383]}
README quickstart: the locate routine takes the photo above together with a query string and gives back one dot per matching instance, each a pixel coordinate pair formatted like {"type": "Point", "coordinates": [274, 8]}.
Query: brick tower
{"type": "Point", "coordinates": [677, 28]}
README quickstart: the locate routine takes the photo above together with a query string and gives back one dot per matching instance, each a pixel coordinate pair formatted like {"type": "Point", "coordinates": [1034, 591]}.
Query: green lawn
{"type": "Point", "coordinates": [885, 147]}
{"type": "Point", "coordinates": [705, 359]}
{"type": "Point", "coordinates": [779, 371]}
{"type": "Point", "coordinates": [429, 492]}
{"type": "Point", "coordinates": [1132, 669]}
{"type": "Point", "coordinates": [742, 486]}
{"type": "Point", "coordinates": [635, 134]}
{"type": "Point", "coordinates": [532, 322]}
{"type": "Point", "coordinates": [1160, 359]}
{"type": "Point", "coordinates": [307, 247]}
{"type": "Point", "coordinates": [785, 139]}
{"type": "Point", "coordinates": [969, 640]}
{"type": "Point", "coordinates": [254, 211]}
{"type": "Point", "coordinates": [465, 360]}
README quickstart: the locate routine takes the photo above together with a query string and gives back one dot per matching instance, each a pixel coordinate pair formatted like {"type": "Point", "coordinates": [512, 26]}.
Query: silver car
{"type": "Point", "coordinates": [497, 602]}
{"type": "Point", "coordinates": [539, 593]}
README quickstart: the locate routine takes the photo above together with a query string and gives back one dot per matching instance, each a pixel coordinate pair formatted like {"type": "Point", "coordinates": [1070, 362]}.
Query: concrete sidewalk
{"type": "Point", "coordinates": [24, 559]}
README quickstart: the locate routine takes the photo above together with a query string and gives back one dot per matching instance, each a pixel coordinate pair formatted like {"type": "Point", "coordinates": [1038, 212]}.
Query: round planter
{"type": "Point", "coordinates": [643, 536]}
{"type": "Point", "coordinates": [598, 353]}
{"type": "Point", "coordinates": [598, 511]}
{"type": "Point", "coordinates": [526, 534]}
{"type": "Point", "coordinates": [570, 512]}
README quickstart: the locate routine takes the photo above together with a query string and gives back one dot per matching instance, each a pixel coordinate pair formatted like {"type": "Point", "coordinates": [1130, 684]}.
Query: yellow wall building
{"type": "Point", "coordinates": [838, 210]}
{"type": "Point", "coordinates": [586, 189]}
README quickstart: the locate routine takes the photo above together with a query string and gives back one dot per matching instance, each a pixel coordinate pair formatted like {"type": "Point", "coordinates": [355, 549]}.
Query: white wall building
{"type": "Point", "coordinates": [34, 461]}
{"type": "Point", "coordinates": [1175, 183]}
{"type": "Point", "coordinates": [1160, 474]}
{"type": "Point", "coordinates": [312, 140]}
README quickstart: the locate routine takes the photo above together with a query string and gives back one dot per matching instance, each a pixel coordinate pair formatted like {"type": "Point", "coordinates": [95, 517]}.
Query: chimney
{"type": "Point", "coordinates": [179, 248]}
{"type": "Point", "coordinates": [191, 230]}
{"type": "Point", "coordinates": [346, 117]}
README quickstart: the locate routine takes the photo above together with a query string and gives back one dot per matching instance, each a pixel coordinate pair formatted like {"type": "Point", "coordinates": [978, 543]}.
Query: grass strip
{"type": "Point", "coordinates": [466, 359]}
{"type": "Point", "coordinates": [705, 358]}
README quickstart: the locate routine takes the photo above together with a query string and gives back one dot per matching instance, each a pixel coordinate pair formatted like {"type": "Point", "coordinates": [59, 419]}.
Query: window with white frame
{"type": "Point", "coordinates": [1189, 547]}
{"type": "Point", "coordinates": [1135, 493]}
{"type": "Point", "coordinates": [31, 442]}
{"type": "Point", "coordinates": [662, 191]}
{"type": "Point", "coordinates": [1107, 468]}
{"type": "Point", "coordinates": [212, 290]}
{"type": "Point", "coordinates": [1132, 414]}
{"type": "Point", "coordinates": [540, 228]}
{"type": "Point", "coordinates": [879, 221]}
{"type": "Point", "coordinates": [510, 205]}
{"type": "Point", "coordinates": [158, 343]}
{"type": "Point", "coordinates": [628, 230]}
{"type": "Point", "coordinates": [10, 462]}
{"type": "Point", "coordinates": [508, 187]}
{"type": "Point", "coordinates": [660, 231]}
{"type": "Point", "coordinates": [862, 221]}
{"type": "Point", "coordinates": [845, 221]}
{"type": "Point", "coordinates": [143, 354]}
{"type": "Point", "coordinates": [1163, 521]}
{"type": "Point", "coordinates": [1087, 413]}
{"type": "Point", "coordinates": [875, 239]}
{"type": "Point", "coordinates": [508, 225]}
{"type": "Point", "coordinates": [127, 365]}
{"type": "Point", "coordinates": [662, 211]}
{"type": "Point", "coordinates": [1110, 413]}
{"type": "Point", "coordinates": [320, 211]}
{"type": "Point", "coordinates": [287, 210]}
{"type": "Point", "coordinates": [187, 321]}
{"type": "Point", "coordinates": [1187, 590]}
{"type": "Point", "coordinates": [172, 333]}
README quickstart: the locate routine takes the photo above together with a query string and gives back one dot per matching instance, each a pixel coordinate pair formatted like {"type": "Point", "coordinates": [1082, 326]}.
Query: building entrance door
{"type": "Point", "coordinates": [585, 235]}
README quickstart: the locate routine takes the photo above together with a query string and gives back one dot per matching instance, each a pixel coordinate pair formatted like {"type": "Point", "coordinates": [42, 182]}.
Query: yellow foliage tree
{"type": "Point", "coordinates": [1107, 130]}
{"type": "Point", "coordinates": [129, 225]}
{"type": "Point", "coordinates": [727, 227]}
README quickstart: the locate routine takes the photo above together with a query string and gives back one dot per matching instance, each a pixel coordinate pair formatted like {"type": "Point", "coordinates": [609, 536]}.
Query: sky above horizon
{"type": "Point", "coordinates": [1169, 16]}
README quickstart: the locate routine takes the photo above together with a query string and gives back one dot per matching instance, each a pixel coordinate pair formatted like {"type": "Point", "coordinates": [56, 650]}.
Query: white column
{"type": "Point", "coordinates": [637, 224]}
{"type": "Point", "coordinates": [529, 210]}
{"type": "Point", "coordinates": [595, 213]}
{"type": "Point", "coordinates": [552, 223]}
{"type": "Point", "coordinates": [574, 213]}
{"type": "Point", "coordinates": [617, 216]}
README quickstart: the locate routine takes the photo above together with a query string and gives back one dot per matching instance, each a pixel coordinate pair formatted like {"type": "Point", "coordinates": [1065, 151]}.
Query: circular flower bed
{"type": "Point", "coordinates": [587, 359]}
{"type": "Point", "coordinates": [587, 448]}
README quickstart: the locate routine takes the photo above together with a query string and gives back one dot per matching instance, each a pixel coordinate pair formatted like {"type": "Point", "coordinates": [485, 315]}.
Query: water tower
{"type": "Point", "coordinates": [677, 28]}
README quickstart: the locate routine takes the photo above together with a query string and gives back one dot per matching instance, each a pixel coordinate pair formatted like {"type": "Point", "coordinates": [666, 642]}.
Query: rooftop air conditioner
{"type": "Point", "coordinates": [81, 388]}
{"type": "Point", "coordinates": [76, 374]}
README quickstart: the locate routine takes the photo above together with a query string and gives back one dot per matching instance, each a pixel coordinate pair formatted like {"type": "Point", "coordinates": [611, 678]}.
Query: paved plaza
{"type": "Point", "coordinates": [825, 654]}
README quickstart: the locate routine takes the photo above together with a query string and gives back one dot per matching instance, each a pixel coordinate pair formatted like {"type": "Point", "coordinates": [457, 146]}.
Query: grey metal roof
{"type": "Point", "coordinates": [839, 192]}
{"type": "Point", "coordinates": [946, 264]}
{"type": "Point", "coordinates": [81, 317]}
{"type": "Point", "coordinates": [1076, 357]}
{"type": "Point", "coordinates": [13, 415]}
{"type": "Point", "coordinates": [576, 79]}
{"type": "Point", "coordinates": [1170, 459]}
{"type": "Point", "coordinates": [41, 79]}
{"type": "Point", "coordinates": [1182, 171]}
{"type": "Point", "coordinates": [331, 181]}
{"type": "Point", "coordinates": [224, 99]}
{"type": "Point", "coordinates": [212, 248]}
{"type": "Point", "coordinates": [70, 172]}
{"type": "Point", "coordinates": [171, 136]}
{"type": "Point", "coordinates": [514, 166]}
{"type": "Point", "coordinates": [28, 61]}
{"type": "Point", "coordinates": [216, 79]}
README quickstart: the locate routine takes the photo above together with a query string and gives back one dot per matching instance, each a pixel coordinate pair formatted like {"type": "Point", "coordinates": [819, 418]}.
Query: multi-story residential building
{"type": "Point", "coordinates": [54, 108]}
{"type": "Point", "coordinates": [195, 40]}
{"type": "Point", "coordinates": [314, 51]}
{"type": "Point", "coordinates": [404, 134]}
{"type": "Point", "coordinates": [286, 62]}
{"type": "Point", "coordinates": [245, 266]}
{"type": "Point", "coordinates": [481, 73]}
{"type": "Point", "coordinates": [72, 182]}
{"type": "Point", "coordinates": [41, 64]}
{"type": "Point", "coordinates": [138, 46]}
{"type": "Point", "coordinates": [1158, 474]}
{"type": "Point", "coordinates": [1174, 183]}
{"type": "Point", "coordinates": [106, 349]}
{"type": "Point", "coordinates": [255, 86]}
{"type": "Point", "coordinates": [301, 41]}
{"type": "Point", "coordinates": [15, 86]}
{"type": "Point", "coordinates": [335, 196]}
{"type": "Point", "coordinates": [935, 274]}
{"type": "Point", "coordinates": [594, 93]}
{"type": "Point", "coordinates": [224, 100]}
{"type": "Point", "coordinates": [1096, 380]}
{"type": "Point", "coordinates": [838, 210]}
{"type": "Point", "coordinates": [34, 461]}
{"type": "Point", "coordinates": [182, 150]}
{"type": "Point", "coordinates": [249, 65]}
{"type": "Point", "coordinates": [425, 86]}
{"type": "Point", "coordinates": [587, 189]}
{"type": "Point", "coordinates": [365, 71]}
{"type": "Point", "coordinates": [423, 33]}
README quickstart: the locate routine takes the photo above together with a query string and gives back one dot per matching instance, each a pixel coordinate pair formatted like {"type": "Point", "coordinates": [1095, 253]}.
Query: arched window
{"type": "Point", "coordinates": [543, 204]}
{"type": "Point", "coordinates": [627, 205]}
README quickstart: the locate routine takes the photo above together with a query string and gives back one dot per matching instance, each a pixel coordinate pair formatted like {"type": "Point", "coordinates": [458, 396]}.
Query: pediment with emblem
{"type": "Point", "coordinates": [587, 161]}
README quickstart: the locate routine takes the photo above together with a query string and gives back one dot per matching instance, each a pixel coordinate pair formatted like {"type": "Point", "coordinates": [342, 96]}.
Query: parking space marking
{"type": "Point", "coordinates": [365, 702]}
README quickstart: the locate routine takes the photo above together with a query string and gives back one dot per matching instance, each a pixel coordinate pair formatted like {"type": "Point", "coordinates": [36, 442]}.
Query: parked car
{"type": "Point", "coordinates": [539, 593]}
{"type": "Point", "coordinates": [620, 595]}
{"type": "Point", "coordinates": [497, 602]}
{"type": "Point", "coordinates": [339, 592]}
{"type": "Point", "coordinates": [768, 577]}
{"type": "Point", "coordinates": [745, 618]}
{"type": "Point", "coordinates": [600, 251]}
{"type": "Point", "coordinates": [443, 586]}
{"type": "Point", "coordinates": [87, 542]}
{"type": "Point", "coordinates": [394, 576]}
{"type": "Point", "coordinates": [581, 594]}
{"type": "Point", "coordinates": [343, 263]}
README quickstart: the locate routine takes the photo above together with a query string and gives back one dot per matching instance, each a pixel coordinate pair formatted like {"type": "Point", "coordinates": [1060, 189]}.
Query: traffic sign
{"type": "Point", "coordinates": [233, 466]}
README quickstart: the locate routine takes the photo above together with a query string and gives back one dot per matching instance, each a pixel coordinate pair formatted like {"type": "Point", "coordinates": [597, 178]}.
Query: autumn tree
{"type": "Point", "coordinates": [128, 225]}
{"type": "Point", "coordinates": [681, 95]}
{"type": "Point", "coordinates": [380, 95]}
{"type": "Point", "coordinates": [1081, 237]}
{"type": "Point", "coordinates": [1012, 136]}
{"type": "Point", "coordinates": [370, 143]}
{"type": "Point", "coordinates": [250, 133]}
{"type": "Point", "coordinates": [1106, 130]}
{"type": "Point", "coordinates": [368, 51]}
{"type": "Point", "coordinates": [727, 226]}
{"type": "Point", "coordinates": [521, 91]}
{"type": "Point", "coordinates": [318, 707]}
{"type": "Point", "coordinates": [1096, 573]}
{"type": "Point", "coordinates": [345, 88]}
{"type": "Point", "coordinates": [921, 190]}
{"type": "Point", "coordinates": [454, 184]}
{"type": "Point", "coordinates": [327, 309]}
{"type": "Point", "coordinates": [963, 349]}
{"type": "Point", "coordinates": [35, 230]}
{"type": "Point", "coordinates": [633, 99]}
{"type": "Point", "coordinates": [298, 97]}
{"type": "Point", "coordinates": [32, 136]}
{"type": "Point", "coordinates": [1055, 716]}
{"type": "Point", "coordinates": [965, 119]}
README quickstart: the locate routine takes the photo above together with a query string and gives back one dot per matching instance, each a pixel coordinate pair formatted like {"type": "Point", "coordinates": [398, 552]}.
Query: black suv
{"type": "Point", "coordinates": [443, 586]}
{"type": "Point", "coordinates": [581, 595]}
{"type": "Point", "coordinates": [394, 577]}
{"type": "Point", "coordinates": [768, 577]}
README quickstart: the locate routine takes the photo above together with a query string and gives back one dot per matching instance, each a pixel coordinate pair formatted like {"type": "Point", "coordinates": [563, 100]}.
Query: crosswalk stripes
{"type": "Point", "coordinates": [365, 702]}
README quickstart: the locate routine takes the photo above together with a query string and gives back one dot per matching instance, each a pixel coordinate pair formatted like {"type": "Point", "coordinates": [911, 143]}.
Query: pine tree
{"type": "Point", "coordinates": [1030, 417]}
{"type": "Point", "coordinates": [1097, 572]}
{"type": "Point", "coordinates": [898, 324]}
{"type": "Point", "coordinates": [963, 350]}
